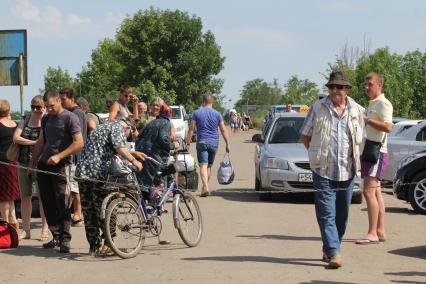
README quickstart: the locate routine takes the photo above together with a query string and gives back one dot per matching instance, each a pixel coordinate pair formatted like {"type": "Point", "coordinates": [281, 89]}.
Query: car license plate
{"type": "Point", "coordinates": [305, 177]}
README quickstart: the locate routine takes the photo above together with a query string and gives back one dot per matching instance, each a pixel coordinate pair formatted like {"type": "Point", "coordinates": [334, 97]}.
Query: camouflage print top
{"type": "Point", "coordinates": [100, 147]}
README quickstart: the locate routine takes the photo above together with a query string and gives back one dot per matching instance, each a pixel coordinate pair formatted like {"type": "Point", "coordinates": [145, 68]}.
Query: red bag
{"type": "Point", "coordinates": [8, 236]}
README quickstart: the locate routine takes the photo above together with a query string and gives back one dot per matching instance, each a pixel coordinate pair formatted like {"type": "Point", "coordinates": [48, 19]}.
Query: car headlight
{"type": "Point", "coordinates": [276, 163]}
{"type": "Point", "coordinates": [180, 128]}
{"type": "Point", "coordinates": [405, 161]}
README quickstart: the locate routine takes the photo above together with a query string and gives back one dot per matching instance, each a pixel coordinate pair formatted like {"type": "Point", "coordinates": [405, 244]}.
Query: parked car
{"type": "Point", "coordinates": [410, 181]}
{"type": "Point", "coordinates": [401, 126]}
{"type": "Point", "coordinates": [281, 160]}
{"type": "Point", "coordinates": [180, 121]}
{"type": "Point", "coordinates": [407, 142]}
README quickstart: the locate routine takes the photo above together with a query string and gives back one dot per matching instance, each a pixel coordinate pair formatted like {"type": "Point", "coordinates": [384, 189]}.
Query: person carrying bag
{"type": "Point", "coordinates": [371, 152]}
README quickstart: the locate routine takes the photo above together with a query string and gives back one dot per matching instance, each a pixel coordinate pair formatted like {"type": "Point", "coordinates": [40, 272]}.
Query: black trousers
{"type": "Point", "coordinates": [55, 198]}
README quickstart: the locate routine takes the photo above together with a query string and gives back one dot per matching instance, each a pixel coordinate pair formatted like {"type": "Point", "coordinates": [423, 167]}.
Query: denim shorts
{"type": "Point", "coordinates": [206, 152]}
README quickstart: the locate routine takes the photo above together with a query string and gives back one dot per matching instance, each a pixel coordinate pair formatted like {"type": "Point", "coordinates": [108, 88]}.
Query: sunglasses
{"type": "Point", "coordinates": [338, 87]}
{"type": "Point", "coordinates": [35, 107]}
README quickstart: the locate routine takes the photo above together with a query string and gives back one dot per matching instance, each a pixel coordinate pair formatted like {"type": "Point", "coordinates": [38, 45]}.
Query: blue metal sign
{"type": "Point", "coordinates": [12, 44]}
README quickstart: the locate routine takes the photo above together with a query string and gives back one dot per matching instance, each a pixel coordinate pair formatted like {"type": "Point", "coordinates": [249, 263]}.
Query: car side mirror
{"type": "Point", "coordinates": [186, 117]}
{"type": "Point", "coordinates": [257, 138]}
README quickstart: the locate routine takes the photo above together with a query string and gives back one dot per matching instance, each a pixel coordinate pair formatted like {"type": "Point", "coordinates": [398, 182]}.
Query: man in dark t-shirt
{"type": "Point", "coordinates": [60, 138]}
{"type": "Point", "coordinates": [68, 101]}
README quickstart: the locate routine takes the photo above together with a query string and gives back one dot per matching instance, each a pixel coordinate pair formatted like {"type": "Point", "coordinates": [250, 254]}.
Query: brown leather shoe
{"type": "Point", "coordinates": [335, 261]}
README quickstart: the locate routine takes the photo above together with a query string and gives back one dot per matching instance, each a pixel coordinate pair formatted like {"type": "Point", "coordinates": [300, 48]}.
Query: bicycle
{"type": "Point", "coordinates": [127, 217]}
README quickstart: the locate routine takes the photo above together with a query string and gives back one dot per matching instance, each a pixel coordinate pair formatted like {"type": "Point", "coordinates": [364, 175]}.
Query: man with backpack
{"type": "Point", "coordinates": [60, 138]}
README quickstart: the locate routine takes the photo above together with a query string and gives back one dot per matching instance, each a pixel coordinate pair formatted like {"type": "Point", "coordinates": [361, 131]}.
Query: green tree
{"type": "Point", "coordinates": [159, 53]}
{"type": "Point", "coordinates": [56, 78]}
{"type": "Point", "coordinates": [299, 91]}
{"type": "Point", "coordinates": [259, 92]}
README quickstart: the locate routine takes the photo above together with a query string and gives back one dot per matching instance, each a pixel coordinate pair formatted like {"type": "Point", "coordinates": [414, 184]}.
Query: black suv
{"type": "Point", "coordinates": [410, 181]}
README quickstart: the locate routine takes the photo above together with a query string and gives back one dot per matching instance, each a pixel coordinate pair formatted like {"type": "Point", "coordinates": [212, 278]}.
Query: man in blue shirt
{"type": "Point", "coordinates": [207, 121]}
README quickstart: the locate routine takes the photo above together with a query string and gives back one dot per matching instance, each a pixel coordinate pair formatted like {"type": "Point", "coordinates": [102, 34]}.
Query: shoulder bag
{"type": "Point", "coordinates": [371, 152]}
{"type": "Point", "coordinates": [12, 153]}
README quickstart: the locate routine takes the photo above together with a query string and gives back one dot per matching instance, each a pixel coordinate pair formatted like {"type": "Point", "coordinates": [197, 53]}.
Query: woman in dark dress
{"type": "Point", "coordinates": [9, 188]}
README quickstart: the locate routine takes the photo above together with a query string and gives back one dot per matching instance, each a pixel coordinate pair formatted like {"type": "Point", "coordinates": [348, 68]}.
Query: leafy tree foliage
{"type": "Point", "coordinates": [56, 78]}
{"type": "Point", "coordinates": [159, 53]}
{"type": "Point", "coordinates": [259, 92]}
{"type": "Point", "coordinates": [299, 91]}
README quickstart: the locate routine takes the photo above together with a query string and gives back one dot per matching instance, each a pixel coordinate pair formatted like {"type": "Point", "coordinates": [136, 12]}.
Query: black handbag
{"type": "Point", "coordinates": [371, 151]}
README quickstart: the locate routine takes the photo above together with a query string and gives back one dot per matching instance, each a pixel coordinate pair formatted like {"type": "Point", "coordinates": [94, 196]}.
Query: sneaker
{"type": "Point", "coordinates": [65, 247]}
{"type": "Point", "coordinates": [52, 244]}
{"type": "Point", "coordinates": [335, 261]}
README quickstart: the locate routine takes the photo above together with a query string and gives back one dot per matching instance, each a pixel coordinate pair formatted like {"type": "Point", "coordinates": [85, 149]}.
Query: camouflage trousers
{"type": "Point", "coordinates": [92, 195]}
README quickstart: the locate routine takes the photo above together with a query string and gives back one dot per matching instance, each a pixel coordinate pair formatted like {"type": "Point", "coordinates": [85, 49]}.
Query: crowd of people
{"type": "Point", "coordinates": [66, 152]}
{"type": "Point", "coordinates": [240, 122]}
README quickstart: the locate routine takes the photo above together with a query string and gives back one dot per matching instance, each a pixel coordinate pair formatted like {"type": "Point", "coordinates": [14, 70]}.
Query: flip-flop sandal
{"type": "Point", "coordinates": [366, 242]}
{"type": "Point", "coordinates": [44, 237]}
{"type": "Point", "coordinates": [205, 194]}
{"type": "Point", "coordinates": [77, 223]}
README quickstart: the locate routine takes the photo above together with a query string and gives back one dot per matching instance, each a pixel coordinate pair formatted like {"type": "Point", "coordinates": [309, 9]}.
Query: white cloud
{"type": "Point", "coordinates": [262, 36]}
{"type": "Point", "coordinates": [52, 15]}
{"type": "Point", "coordinates": [340, 7]}
{"type": "Point", "coordinates": [27, 11]}
{"type": "Point", "coordinates": [114, 18]}
{"type": "Point", "coordinates": [74, 19]}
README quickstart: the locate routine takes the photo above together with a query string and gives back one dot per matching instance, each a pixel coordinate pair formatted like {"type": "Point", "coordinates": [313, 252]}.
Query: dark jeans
{"type": "Point", "coordinates": [332, 201]}
{"type": "Point", "coordinates": [55, 198]}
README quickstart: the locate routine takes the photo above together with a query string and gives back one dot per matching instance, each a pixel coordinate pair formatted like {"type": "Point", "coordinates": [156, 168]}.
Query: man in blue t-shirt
{"type": "Point", "coordinates": [207, 121]}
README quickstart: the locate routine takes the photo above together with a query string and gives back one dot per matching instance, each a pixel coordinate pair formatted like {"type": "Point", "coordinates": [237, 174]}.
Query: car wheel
{"type": "Point", "coordinates": [263, 196]}
{"type": "Point", "coordinates": [417, 193]}
{"type": "Point", "coordinates": [257, 184]}
{"type": "Point", "coordinates": [357, 197]}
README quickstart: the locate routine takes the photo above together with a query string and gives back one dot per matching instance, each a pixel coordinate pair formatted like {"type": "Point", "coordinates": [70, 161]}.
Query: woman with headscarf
{"type": "Point", "coordinates": [155, 141]}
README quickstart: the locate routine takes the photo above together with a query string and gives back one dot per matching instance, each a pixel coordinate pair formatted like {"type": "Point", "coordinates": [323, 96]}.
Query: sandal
{"type": "Point", "coordinates": [205, 194]}
{"type": "Point", "coordinates": [25, 235]}
{"type": "Point", "coordinates": [44, 237]}
{"type": "Point", "coordinates": [77, 223]}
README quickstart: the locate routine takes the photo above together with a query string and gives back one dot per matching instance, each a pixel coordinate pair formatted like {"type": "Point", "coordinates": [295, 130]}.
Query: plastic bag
{"type": "Point", "coordinates": [225, 173]}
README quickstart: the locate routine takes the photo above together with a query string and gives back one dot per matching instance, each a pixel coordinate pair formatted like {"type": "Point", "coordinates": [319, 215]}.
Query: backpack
{"type": "Point", "coordinates": [8, 236]}
{"type": "Point", "coordinates": [225, 173]}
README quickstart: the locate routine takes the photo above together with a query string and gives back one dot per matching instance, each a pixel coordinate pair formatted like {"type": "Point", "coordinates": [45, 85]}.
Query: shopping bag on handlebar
{"type": "Point", "coordinates": [225, 173]}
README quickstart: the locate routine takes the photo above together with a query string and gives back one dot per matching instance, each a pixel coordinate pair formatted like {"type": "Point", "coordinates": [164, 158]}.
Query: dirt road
{"type": "Point", "coordinates": [245, 241]}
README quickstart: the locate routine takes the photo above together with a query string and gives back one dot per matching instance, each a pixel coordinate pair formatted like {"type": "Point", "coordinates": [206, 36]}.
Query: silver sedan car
{"type": "Point", "coordinates": [281, 160]}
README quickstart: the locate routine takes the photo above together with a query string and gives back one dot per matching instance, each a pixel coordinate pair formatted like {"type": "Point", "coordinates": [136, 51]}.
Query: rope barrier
{"type": "Point", "coordinates": [117, 184]}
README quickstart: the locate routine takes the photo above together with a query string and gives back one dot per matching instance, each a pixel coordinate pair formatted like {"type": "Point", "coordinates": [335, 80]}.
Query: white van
{"type": "Point", "coordinates": [180, 121]}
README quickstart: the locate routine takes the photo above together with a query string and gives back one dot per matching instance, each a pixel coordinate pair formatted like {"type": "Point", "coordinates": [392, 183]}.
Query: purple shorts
{"type": "Point", "coordinates": [376, 170]}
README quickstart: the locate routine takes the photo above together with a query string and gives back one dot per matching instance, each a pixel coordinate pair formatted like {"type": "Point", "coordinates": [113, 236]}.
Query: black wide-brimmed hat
{"type": "Point", "coordinates": [338, 78]}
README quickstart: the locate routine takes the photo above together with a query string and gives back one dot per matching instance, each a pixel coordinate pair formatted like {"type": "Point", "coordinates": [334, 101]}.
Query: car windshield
{"type": "Point", "coordinates": [286, 130]}
{"type": "Point", "coordinates": [176, 113]}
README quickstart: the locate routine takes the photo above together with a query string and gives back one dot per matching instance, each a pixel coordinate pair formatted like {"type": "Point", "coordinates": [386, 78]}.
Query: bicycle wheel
{"type": "Point", "coordinates": [123, 227]}
{"type": "Point", "coordinates": [187, 219]}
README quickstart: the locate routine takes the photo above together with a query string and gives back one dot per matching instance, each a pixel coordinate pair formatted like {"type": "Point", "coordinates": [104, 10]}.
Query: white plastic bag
{"type": "Point", "coordinates": [225, 173]}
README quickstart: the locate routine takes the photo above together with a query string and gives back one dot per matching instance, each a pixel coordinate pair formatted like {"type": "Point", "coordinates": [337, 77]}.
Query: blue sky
{"type": "Point", "coordinates": [260, 39]}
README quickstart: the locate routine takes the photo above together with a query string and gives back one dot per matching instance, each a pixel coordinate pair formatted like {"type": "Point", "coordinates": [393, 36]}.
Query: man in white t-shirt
{"type": "Point", "coordinates": [379, 123]}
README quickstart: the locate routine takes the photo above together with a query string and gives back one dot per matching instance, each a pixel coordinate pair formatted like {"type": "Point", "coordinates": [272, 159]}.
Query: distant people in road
{"type": "Point", "coordinates": [119, 109]}
{"type": "Point", "coordinates": [105, 141]}
{"type": "Point", "coordinates": [26, 135]}
{"type": "Point", "coordinates": [233, 120]}
{"type": "Point", "coordinates": [9, 187]}
{"type": "Point", "coordinates": [59, 139]}
{"type": "Point", "coordinates": [207, 121]}
{"type": "Point", "coordinates": [68, 100]}
{"type": "Point", "coordinates": [332, 133]}
{"type": "Point", "coordinates": [379, 123]}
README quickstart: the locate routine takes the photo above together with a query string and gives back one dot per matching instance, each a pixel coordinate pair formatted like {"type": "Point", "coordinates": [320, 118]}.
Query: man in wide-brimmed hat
{"type": "Point", "coordinates": [332, 133]}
